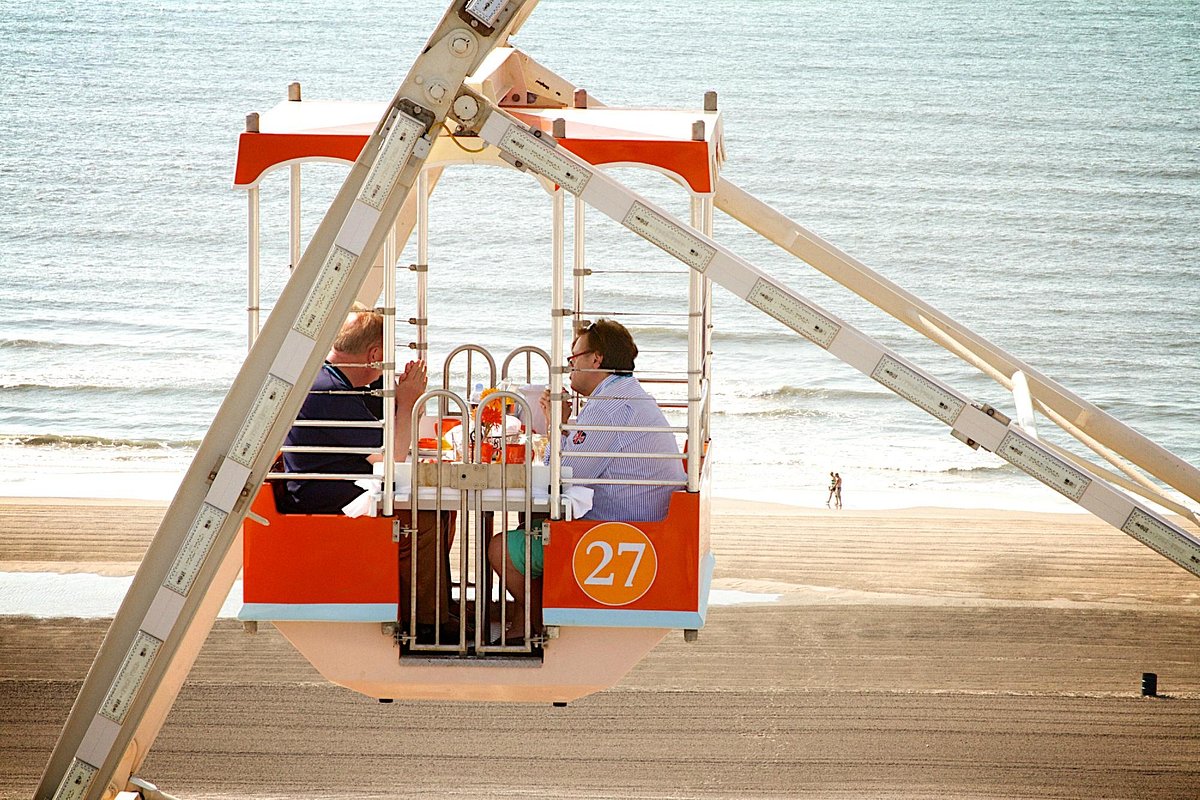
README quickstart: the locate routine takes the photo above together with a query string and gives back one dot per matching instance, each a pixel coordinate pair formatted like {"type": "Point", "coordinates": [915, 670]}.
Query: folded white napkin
{"type": "Point", "coordinates": [367, 503]}
{"type": "Point", "coordinates": [580, 500]}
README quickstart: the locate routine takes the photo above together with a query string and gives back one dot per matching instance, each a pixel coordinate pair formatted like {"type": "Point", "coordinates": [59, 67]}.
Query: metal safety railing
{"type": "Point", "coordinates": [484, 488]}
{"type": "Point", "coordinates": [433, 639]}
{"type": "Point", "coordinates": [502, 643]}
{"type": "Point", "coordinates": [529, 352]}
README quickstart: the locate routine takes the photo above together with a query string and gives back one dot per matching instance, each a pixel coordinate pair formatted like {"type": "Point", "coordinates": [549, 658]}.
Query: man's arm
{"type": "Point", "coordinates": [409, 386]}
{"type": "Point", "coordinates": [544, 402]}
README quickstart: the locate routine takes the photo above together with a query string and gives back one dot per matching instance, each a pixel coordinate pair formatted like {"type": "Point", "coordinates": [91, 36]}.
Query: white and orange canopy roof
{"type": "Point", "coordinates": [666, 140]}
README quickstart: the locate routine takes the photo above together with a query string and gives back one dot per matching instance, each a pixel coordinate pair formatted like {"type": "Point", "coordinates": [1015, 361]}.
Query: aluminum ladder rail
{"type": "Point", "coordinates": [977, 425]}
{"type": "Point", "coordinates": [195, 555]}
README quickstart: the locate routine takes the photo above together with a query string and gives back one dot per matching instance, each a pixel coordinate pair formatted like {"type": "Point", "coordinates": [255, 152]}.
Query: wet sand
{"type": "Point", "coordinates": [913, 654]}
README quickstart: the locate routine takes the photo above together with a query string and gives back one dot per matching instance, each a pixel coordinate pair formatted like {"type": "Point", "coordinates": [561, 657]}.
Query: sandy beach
{"type": "Point", "coordinates": [913, 654]}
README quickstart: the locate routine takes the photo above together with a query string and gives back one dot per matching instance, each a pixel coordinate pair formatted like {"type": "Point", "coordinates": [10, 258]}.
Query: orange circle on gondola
{"type": "Point", "coordinates": [615, 563]}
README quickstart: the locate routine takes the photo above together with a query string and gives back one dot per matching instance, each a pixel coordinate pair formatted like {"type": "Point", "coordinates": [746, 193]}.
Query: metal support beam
{"type": "Point", "coordinates": [557, 357]}
{"type": "Point", "coordinates": [253, 243]}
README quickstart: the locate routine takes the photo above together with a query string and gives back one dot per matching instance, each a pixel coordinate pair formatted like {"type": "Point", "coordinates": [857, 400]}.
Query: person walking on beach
{"type": "Point", "coordinates": [837, 490]}
{"type": "Point", "coordinates": [832, 488]}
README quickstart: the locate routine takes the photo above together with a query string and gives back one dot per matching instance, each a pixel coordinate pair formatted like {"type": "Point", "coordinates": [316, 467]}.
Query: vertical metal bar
{"type": "Point", "coordinates": [528, 550]}
{"type": "Point", "coordinates": [579, 269]}
{"type": "Point", "coordinates": [580, 261]}
{"type": "Point", "coordinates": [527, 413]}
{"type": "Point", "coordinates": [294, 218]}
{"type": "Point", "coordinates": [707, 219]}
{"type": "Point", "coordinates": [503, 514]}
{"type": "Point", "coordinates": [414, 524]}
{"type": "Point", "coordinates": [439, 542]}
{"type": "Point", "coordinates": [483, 583]}
{"type": "Point", "coordinates": [464, 569]}
{"type": "Point", "coordinates": [557, 309]}
{"type": "Point", "coordinates": [481, 540]}
{"type": "Point", "coordinates": [389, 375]}
{"type": "Point", "coordinates": [252, 255]}
{"type": "Point", "coordinates": [695, 361]}
{"type": "Point", "coordinates": [422, 315]}
{"type": "Point", "coordinates": [440, 545]}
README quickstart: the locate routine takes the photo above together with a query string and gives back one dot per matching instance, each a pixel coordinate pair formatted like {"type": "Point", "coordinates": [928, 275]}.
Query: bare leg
{"type": "Point", "coordinates": [514, 583]}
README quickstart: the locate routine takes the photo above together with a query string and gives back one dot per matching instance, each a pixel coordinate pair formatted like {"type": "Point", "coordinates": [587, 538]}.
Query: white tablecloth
{"type": "Point", "coordinates": [577, 500]}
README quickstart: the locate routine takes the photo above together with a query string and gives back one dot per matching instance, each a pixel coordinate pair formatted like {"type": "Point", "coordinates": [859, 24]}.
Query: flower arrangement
{"type": "Point", "coordinates": [491, 420]}
{"type": "Point", "coordinates": [492, 416]}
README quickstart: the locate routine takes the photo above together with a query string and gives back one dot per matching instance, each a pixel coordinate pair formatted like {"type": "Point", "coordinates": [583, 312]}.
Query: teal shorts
{"type": "Point", "coordinates": [516, 551]}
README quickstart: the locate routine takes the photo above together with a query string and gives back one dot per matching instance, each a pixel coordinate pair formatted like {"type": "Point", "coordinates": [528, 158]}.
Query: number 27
{"type": "Point", "coordinates": [607, 554]}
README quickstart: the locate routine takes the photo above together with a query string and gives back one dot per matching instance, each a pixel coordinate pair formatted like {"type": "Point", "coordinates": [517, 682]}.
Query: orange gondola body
{"type": "Point", "coordinates": [612, 590]}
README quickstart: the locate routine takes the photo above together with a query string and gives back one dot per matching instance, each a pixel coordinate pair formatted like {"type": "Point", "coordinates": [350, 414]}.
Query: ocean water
{"type": "Point", "coordinates": [1031, 169]}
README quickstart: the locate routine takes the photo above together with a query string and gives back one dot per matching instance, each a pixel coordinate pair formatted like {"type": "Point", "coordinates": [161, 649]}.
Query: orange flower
{"type": "Point", "coordinates": [493, 412]}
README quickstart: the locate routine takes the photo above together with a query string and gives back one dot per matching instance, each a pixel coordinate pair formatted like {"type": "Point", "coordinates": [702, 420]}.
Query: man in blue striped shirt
{"type": "Point", "coordinates": [602, 363]}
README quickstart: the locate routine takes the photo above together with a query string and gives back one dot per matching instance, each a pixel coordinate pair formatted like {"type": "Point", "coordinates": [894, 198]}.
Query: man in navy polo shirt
{"type": "Point", "coordinates": [347, 389]}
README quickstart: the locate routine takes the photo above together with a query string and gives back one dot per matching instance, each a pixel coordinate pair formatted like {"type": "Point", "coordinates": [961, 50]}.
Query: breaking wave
{"type": "Point", "coordinates": [94, 442]}
{"type": "Point", "coordinates": [89, 390]}
{"type": "Point", "coordinates": [823, 393]}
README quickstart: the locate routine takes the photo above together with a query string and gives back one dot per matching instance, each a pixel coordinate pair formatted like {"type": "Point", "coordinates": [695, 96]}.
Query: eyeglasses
{"type": "Point", "coordinates": [571, 358]}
